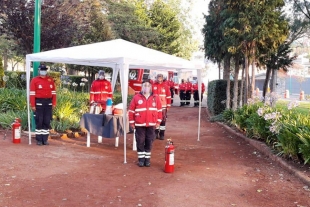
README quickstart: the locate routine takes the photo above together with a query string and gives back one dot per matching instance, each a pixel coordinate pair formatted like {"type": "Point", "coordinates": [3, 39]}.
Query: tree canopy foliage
{"type": "Point", "coordinates": [165, 22]}
{"type": "Point", "coordinates": [160, 25]}
{"type": "Point", "coordinates": [253, 29]}
{"type": "Point", "coordinates": [60, 20]}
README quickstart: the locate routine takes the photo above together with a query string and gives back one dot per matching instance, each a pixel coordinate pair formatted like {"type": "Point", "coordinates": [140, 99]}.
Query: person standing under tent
{"type": "Point", "coordinates": [145, 114]}
{"type": "Point", "coordinates": [188, 92]}
{"type": "Point", "coordinates": [196, 94]}
{"type": "Point", "coordinates": [182, 94]}
{"type": "Point", "coordinates": [42, 101]}
{"type": "Point", "coordinates": [163, 91]}
{"type": "Point", "coordinates": [100, 90]}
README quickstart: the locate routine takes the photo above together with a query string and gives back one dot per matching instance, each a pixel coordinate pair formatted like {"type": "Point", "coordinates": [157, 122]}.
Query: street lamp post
{"type": "Point", "coordinates": [36, 45]}
{"type": "Point", "coordinates": [37, 34]}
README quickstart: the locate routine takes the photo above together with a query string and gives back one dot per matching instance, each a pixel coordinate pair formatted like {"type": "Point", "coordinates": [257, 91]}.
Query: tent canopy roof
{"type": "Point", "coordinates": [113, 52]}
{"type": "Point", "coordinates": [118, 54]}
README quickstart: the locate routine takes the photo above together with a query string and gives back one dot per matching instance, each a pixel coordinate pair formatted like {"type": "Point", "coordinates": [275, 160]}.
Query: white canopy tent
{"type": "Point", "coordinates": [118, 54]}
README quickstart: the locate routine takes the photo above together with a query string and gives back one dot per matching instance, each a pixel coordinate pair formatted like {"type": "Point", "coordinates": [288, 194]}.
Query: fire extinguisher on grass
{"type": "Point", "coordinates": [169, 157]}
{"type": "Point", "coordinates": [16, 127]}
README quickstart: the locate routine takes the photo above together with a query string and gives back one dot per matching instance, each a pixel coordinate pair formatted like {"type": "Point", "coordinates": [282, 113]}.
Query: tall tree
{"type": "Point", "coordinates": [60, 20]}
{"type": "Point", "coordinates": [258, 25]}
{"type": "Point", "coordinates": [213, 35]}
{"type": "Point", "coordinates": [188, 37]}
{"type": "Point", "coordinates": [166, 23]}
{"type": "Point", "coordinates": [280, 59]}
{"type": "Point", "coordinates": [299, 18]}
{"type": "Point", "coordinates": [127, 25]}
{"type": "Point", "coordinates": [98, 30]}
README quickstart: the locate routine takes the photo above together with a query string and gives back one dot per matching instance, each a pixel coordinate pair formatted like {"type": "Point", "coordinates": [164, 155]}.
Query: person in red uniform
{"type": "Point", "coordinates": [170, 84]}
{"type": "Point", "coordinates": [42, 102]}
{"type": "Point", "coordinates": [182, 88]}
{"type": "Point", "coordinates": [188, 92]}
{"type": "Point", "coordinates": [196, 94]}
{"type": "Point", "coordinates": [145, 114]}
{"type": "Point", "coordinates": [163, 91]}
{"type": "Point", "coordinates": [100, 90]}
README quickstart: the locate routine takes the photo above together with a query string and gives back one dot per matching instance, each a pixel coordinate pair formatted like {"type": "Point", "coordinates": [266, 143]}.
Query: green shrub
{"type": "Point", "coordinates": [15, 79]}
{"type": "Point", "coordinates": [77, 83]}
{"type": "Point", "coordinates": [12, 99]}
{"type": "Point", "coordinates": [304, 147]}
{"type": "Point", "coordinates": [228, 116]}
{"type": "Point", "coordinates": [217, 118]}
{"type": "Point", "coordinates": [2, 83]}
{"type": "Point", "coordinates": [67, 114]}
{"type": "Point", "coordinates": [117, 98]}
{"type": "Point", "coordinates": [216, 96]}
{"type": "Point", "coordinates": [216, 99]}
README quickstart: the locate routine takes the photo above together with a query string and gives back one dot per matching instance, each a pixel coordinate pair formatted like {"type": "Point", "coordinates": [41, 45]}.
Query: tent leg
{"type": "Point", "coordinates": [88, 139]}
{"type": "Point", "coordinates": [134, 143]}
{"type": "Point", "coordinates": [116, 141]}
{"type": "Point", "coordinates": [99, 139]}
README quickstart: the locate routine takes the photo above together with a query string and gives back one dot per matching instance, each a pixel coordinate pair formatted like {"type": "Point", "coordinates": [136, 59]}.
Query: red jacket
{"type": "Point", "coordinates": [170, 84]}
{"type": "Point", "coordinates": [163, 91]}
{"type": "Point", "coordinates": [100, 91]}
{"type": "Point", "coordinates": [145, 111]}
{"type": "Point", "coordinates": [182, 86]}
{"type": "Point", "coordinates": [188, 86]}
{"type": "Point", "coordinates": [195, 87]}
{"type": "Point", "coordinates": [42, 88]}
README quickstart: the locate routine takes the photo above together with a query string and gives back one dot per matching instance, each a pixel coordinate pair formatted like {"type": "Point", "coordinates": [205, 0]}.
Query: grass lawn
{"type": "Point", "coordinates": [303, 107]}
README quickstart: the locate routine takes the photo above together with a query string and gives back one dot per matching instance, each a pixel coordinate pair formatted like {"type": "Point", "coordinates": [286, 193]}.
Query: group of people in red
{"type": "Point", "coordinates": [188, 88]}
{"type": "Point", "coordinates": [148, 109]}
{"type": "Point", "coordinates": [147, 115]}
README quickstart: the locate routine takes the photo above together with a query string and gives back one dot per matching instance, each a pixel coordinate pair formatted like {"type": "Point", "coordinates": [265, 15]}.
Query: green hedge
{"type": "Point", "coordinates": [216, 96]}
{"type": "Point", "coordinates": [216, 100]}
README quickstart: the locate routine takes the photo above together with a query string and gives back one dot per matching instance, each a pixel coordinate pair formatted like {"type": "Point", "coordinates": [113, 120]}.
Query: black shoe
{"type": "Point", "coordinates": [140, 164]}
{"type": "Point", "coordinates": [157, 136]}
{"type": "Point", "coordinates": [46, 143]}
{"type": "Point", "coordinates": [161, 138]}
{"type": "Point", "coordinates": [147, 164]}
{"type": "Point", "coordinates": [39, 143]}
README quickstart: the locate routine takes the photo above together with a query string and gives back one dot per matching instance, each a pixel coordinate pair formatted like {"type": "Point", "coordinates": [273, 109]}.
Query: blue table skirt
{"type": "Point", "coordinates": [104, 125]}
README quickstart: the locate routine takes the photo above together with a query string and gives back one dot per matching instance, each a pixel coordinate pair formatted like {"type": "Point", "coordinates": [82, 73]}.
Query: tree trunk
{"type": "Point", "coordinates": [268, 72]}
{"type": "Point", "coordinates": [246, 86]}
{"type": "Point", "coordinates": [253, 79]}
{"type": "Point", "coordinates": [242, 86]}
{"type": "Point", "coordinates": [219, 67]}
{"type": "Point", "coordinates": [273, 84]}
{"type": "Point", "coordinates": [5, 60]}
{"type": "Point", "coordinates": [226, 76]}
{"type": "Point", "coordinates": [235, 98]}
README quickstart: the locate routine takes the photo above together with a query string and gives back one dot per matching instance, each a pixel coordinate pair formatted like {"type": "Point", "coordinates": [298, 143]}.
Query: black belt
{"type": "Point", "coordinates": [43, 98]}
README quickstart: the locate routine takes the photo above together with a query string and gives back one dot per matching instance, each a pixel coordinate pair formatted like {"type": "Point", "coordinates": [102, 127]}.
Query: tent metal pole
{"type": "Point", "coordinates": [199, 95]}
{"type": "Point", "coordinates": [28, 98]}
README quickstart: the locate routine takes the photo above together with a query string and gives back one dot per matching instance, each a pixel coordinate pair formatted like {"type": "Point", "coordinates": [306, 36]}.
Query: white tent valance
{"type": "Point", "coordinates": [118, 54]}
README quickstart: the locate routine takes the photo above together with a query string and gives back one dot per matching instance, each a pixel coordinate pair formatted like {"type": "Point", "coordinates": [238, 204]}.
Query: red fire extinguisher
{"type": "Point", "coordinates": [169, 157]}
{"type": "Point", "coordinates": [16, 126]}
